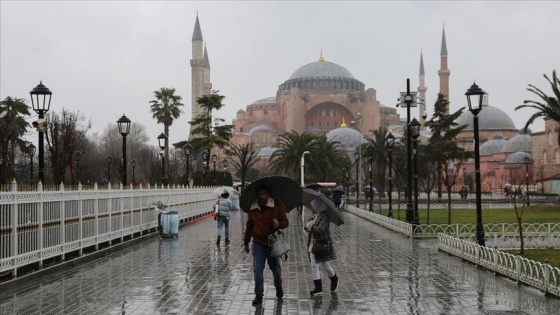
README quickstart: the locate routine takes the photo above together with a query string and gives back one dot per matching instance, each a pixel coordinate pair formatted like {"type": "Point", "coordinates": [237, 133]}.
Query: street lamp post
{"type": "Point", "coordinates": [370, 150]}
{"type": "Point", "coordinates": [205, 165]}
{"type": "Point", "coordinates": [162, 142]}
{"type": "Point", "coordinates": [408, 99]}
{"type": "Point", "coordinates": [475, 108]}
{"type": "Point", "coordinates": [108, 159]}
{"type": "Point", "coordinates": [225, 165]}
{"type": "Point", "coordinates": [357, 161]}
{"type": "Point", "coordinates": [41, 102]}
{"type": "Point", "coordinates": [527, 161]}
{"type": "Point", "coordinates": [187, 150]}
{"type": "Point", "coordinates": [133, 164]}
{"type": "Point", "coordinates": [32, 150]}
{"type": "Point", "coordinates": [302, 168]}
{"type": "Point", "coordinates": [415, 133]}
{"type": "Point", "coordinates": [390, 143]}
{"type": "Point", "coordinates": [347, 164]}
{"type": "Point", "coordinates": [77, 157]}
{"type": "Point", "coordinates": [214, 159]}
{"type": "Point", "coordinates": [124, 129]}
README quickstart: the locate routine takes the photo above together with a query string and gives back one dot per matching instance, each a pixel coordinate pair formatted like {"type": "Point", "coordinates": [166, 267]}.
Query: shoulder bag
{"type": "Point", "coordinates": [279, 244]}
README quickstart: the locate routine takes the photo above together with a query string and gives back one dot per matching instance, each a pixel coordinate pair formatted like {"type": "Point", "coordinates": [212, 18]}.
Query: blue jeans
{"type": "Point", "coordinates": [221, 222]}
{"type": "Point", "coordinates": [261, 254]}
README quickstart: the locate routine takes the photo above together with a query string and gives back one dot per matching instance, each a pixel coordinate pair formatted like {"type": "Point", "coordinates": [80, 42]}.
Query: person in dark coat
{"type": "Point", "coordinates": [319, 232]}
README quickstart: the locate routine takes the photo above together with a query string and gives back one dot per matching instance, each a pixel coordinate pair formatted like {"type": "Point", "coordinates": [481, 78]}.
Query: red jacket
{"type": "Point", "coordinates": [259, 223]}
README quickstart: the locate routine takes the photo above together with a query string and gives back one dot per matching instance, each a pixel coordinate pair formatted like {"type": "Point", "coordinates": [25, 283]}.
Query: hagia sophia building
{"type": "Point", "coordinates": [322, 97]}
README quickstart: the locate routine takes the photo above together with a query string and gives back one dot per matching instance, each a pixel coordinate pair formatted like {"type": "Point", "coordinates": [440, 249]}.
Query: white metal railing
{"type": "Point", "coordinates": [522, 270]}
{"type": "Point", "coordinates": [501, 235]}
{"type": "Point", "coordinates": [37, 225]}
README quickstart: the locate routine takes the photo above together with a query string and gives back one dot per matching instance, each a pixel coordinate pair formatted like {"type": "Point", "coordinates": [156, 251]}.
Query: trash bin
{"type": "Point", "coordinates": [170, 224]}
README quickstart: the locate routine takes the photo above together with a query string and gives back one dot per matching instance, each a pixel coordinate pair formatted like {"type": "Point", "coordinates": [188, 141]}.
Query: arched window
{"type": "Point", "coordinates": [544, 158]}
{"type": "Point", "coordinates": [319, 124]}
{"type": "Point", "coordinates": [328, 123]}
{"type": "Point", "coordinates": [335, 123]}
{"type": "Point", "coordinates": [557, 157]}
{"type": "Point", "coordinates": [549, 137]}
{"type": "Point", "coordinates": [264, 138]}
{"type": "Point", "coordinates": [311, 124]}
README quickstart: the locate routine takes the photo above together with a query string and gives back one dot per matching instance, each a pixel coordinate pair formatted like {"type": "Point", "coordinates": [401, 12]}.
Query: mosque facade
{"type": "Point", "coordinates": [324, 98]}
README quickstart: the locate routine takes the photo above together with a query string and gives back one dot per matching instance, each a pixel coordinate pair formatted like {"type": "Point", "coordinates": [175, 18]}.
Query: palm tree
{"type": "Point", "coordinates": [380, 156]}
{"type": "Point", "coordinates": [12, 126]}
{"type": "Point", "coordinates": [550, 105]}
{"type": "Point", "coordinates": [291, 145]}
{"type": "Point", "coordinates": [327, 158]}
{"type": "Point", "coordinates": [166, 108]}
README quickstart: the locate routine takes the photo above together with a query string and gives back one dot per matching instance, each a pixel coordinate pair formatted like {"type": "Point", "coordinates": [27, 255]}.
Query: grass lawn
{"type": "Point", "coordinates": [532, 214]}
{"type": "Point", "coordinates": [553, 255]}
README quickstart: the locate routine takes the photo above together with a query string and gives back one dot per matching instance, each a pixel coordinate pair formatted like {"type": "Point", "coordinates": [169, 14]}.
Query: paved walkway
{"type": "Point", "coordinates": [381, 272]}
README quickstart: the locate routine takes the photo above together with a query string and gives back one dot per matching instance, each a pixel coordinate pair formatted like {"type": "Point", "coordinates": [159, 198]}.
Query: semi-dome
{"type": "Point", "coordinates": [519, 143]}
{"type": "Point", "coordinates": [266, 100]}
{"type": "Point", "coordinates": [322, 75]}
{"type": "Point", "coordinates": [489, 118]}
{"type": "Point", "coordinates": [349, 138]}
{"type": "Point", "coordinates": [493, 146]}
{"type": "Point", "coordinates": [518, 158]}
{"type": "Point", "coordinates": [261, 128]}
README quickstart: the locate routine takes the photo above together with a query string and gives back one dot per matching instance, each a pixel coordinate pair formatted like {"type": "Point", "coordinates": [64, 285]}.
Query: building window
{"type": "Point", "coordinates": [311, 124]}
{"type": "Point", "coordinates": [545, 162]}
{"type": "Point", "coordinates": [557, 157]}
{"type": "Point", "coordinates": [328, 123]}
{"type": "Point", "coordinates": [335, 123]}
{"type": "Point", "coordinates": [319, 124]}
{"type": "Point", "coordinates": [264, 138]}
{"type": "Point", "coordinates": [549, 138]}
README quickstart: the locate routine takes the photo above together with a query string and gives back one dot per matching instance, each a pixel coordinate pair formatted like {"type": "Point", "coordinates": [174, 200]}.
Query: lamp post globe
{"type": "Point", "coordinates": [214, 160]}
{"type": "Point", "coordinates": [162, 142]}
{"type": "Point", "coordinates": [41, 103]}
{"type": "Point", "coordinates": [475, 97]}
{"type": "Point", "coordinates": [390, 144]}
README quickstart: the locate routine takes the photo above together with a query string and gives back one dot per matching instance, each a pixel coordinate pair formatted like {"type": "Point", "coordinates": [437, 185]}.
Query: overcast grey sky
{"type": "Point", "coordinates": [106, 58]}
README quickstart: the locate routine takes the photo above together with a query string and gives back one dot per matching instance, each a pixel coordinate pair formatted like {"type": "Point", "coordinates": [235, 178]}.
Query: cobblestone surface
{"type": "Point", "coordinates": [380, 272]}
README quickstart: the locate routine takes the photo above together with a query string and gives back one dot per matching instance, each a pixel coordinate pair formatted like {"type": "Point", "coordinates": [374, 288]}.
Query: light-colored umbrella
{"type": "Point", "coordinates": [319, 202]}
{"type": "Point", "coordinates": [230, 190]}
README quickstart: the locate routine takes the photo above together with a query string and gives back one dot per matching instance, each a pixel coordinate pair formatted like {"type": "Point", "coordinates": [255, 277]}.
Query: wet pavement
{"type": "Point", "coordinates": [380, 272]}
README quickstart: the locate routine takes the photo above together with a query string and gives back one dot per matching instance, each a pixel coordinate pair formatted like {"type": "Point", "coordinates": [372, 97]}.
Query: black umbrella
{"type": "Point", "coordinates": [335, 216]}
{"type": "Point", "coordinates": [339, 191]}
{"type": "Point", "coordinates": [283, 190]}
{"type": "Point", "coordinates": [313, 186]}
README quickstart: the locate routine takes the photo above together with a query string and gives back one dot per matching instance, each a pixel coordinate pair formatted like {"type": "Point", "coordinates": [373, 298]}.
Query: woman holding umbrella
{"type": "Point", "coordinates": [320, 236]}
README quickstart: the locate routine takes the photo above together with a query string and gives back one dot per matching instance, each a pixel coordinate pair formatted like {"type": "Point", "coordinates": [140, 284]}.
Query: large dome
{"type": "Point", "coordinates": [349, 138]}
{"type": "Point", "coordinates": [322, 75]}
{"type": "Point", "coordinates": [319, 69]}
{"type": "Point", "coordinates": [489, 118]}
{"type": "Point", "coordinates": [520, 143]}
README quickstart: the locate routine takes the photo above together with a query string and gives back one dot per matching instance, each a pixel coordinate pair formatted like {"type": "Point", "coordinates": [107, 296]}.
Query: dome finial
{"type": "Point", "coordinates": [343, 125]}
{"type": "Point", "coordinates": [321, 59]}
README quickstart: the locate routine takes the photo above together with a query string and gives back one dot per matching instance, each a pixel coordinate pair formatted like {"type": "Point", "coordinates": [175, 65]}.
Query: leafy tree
{"type": "Point", "coordinates": [204, 135]}
{"type": "Point", "coordinates": [165, 109]}
{"type": "Point", "coordinates": [549, 106]}
{"type": "Point", "coordinates": [12, 127]}
{"type": "Point", "coordinates": [245, 158]}
{"type": "Point", "coordinates": [290, 147]}
{"type": "Point", "coordinates": [427, 174]}
{"type": "Point", "coordinates": [66, 134]}
{"type": "Point", "coordinates": [442, 145]}
{"type": "Point", "coordinates": [327, 159]}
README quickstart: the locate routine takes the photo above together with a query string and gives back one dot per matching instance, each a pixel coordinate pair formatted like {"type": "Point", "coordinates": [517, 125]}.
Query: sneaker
{"type": "Point", "coordinates": [279, 292]}
{"type": "Point", "coordinates": [257, 301]}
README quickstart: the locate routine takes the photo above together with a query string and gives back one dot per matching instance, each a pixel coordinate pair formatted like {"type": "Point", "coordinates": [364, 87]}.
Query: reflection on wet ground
{"type": "Point", "coordinates": [380, 272]}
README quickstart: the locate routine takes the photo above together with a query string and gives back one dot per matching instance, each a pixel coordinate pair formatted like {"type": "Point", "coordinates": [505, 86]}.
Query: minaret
{"type": "Point", "coordinates": [422, 92]}
{"type": "Point", "coordinates": [443, 71]}
{"type": "Point", "coordinates": [198, 70]}
{"type": "Point", "coordinates": [207, 82]}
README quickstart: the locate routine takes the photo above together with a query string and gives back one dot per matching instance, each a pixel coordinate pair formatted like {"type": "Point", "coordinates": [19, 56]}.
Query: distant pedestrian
{"type": "Point", "coordinates": [225, 206]}
{"type": "Point", "coordinates": [464, 192]}
{"type": "Point", "coordinates": [319, 233]}
{"type": "Point", "coordinates": [337, 199]}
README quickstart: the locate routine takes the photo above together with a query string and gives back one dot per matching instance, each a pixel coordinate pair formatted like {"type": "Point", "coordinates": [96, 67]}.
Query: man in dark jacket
{"type": "Point", "coordinates": [265, 217]}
